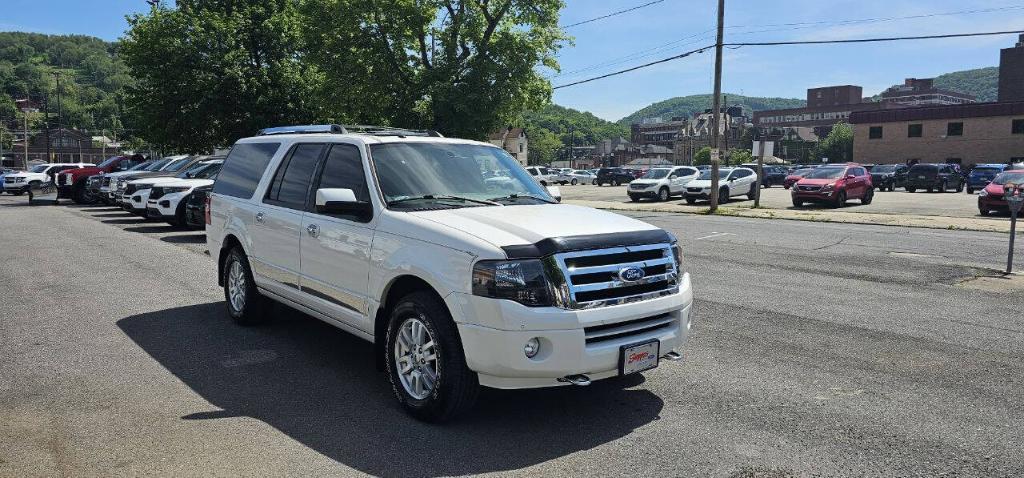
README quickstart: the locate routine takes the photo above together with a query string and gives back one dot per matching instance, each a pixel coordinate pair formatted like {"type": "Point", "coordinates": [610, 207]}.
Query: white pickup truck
{"type": "Point", "coordinates": [397, 237]}
{"type": "Point", "coordinates": [19, 183]}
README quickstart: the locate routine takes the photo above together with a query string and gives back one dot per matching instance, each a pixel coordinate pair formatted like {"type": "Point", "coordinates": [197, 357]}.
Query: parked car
{"type": "Point", "coordinates": [733, 182]}
{"type": "Point", "coordinates": [934, 177]}
{"type": "Point", "coordinates": [637, 173]}
{"type": "Point", "coordinates": [991, 197]}
{"type": "Point", "coordinates": [170, 170]}
{"type": "Point", "coordinates": [394, 237]}
{"type": "Point", "coordinates": [834, 185]}
{"type": "Point", "coordinates": [613, 176]}
{"type": "Point", "coordinates": [166, 201]}
{"type": "Point", "coordinates": [108, 192]}
{"type": "Point", "coordinates": [543, 175]}
{"type": "Point", "coordinates": [581, 176]}
{"type": "Point", "coordinates": [74, 183]}
{"type": "Point", "coordinates": [982, 175]}
{"type": "Point", "coordinates": [889, 176]}
{"type": "Point", "coordinates": [36, 177]}
{"type": "Point", "coordinates": [662, 183]}
{"type": "Point", "coordinates": [136, 195]}
{"type": "Point", "coordinates": [774, 176]}
{"type": "Point", "coordinates": [195, 207]}
{"type": "Point", "coordinates": [795, 176]}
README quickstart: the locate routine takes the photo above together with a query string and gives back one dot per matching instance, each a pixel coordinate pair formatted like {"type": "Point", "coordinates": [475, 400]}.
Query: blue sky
{"type": "Point", "coordinates": [757, 71]}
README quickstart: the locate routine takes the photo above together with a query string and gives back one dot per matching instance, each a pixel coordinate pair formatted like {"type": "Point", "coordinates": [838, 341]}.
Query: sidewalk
{"type": "Point", "coordinates": [997, 224]}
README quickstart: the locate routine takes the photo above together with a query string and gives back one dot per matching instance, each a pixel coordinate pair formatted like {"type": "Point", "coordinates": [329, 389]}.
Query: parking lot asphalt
{"type": "Point", "coordinates": [818, 349]}
{"type": "Point", "coordinates": [948, 204]}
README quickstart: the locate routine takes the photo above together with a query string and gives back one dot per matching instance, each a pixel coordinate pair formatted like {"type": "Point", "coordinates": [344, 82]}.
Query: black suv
{"type": "Point", "coordinates": [932, 177]}
{"type": "Point", "coordinates": [774, 176]}
{"type": "Point", "coordinates": [889, 176]}
{"type": "Point", "coordinates": [613, 176]}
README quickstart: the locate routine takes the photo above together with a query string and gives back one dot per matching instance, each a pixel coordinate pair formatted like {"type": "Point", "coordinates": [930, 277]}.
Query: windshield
{"type": "Point", "coordinates": [826, 173]}
{"type": "Point", "coordinates": [40, 168]}
{"type": "Point", "coordinates": [109, 161]}
{"type": "Point", "coordinates": [887, 168]}
{"type": "Point", "coordinates": [411, 171]}
{"type": "Point", "coordinates": [140, 166]}
{"type": "Point", "coordinates": [200, 171]}
{"type": "Point", "coordinates": [656, 174]}
{"type": "Point", "coordinates": [1015, 177]}
{"type": "Point", "coordinates": [156, 165]}
{"type": "Point", "coordinates": [176, 165]}
{"type": "Point", "coordinates": [721, 173]}
{"type": "Point", "coordinates": [985, 170]}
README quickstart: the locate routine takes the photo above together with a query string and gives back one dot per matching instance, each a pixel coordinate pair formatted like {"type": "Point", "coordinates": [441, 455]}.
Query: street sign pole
{"type": "Point", "coordinates": [1014, 199]}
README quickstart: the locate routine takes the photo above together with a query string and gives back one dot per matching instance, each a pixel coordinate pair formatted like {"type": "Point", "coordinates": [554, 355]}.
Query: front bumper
{"type": "Point", "coordinates": [494, 332]}
{"type": "Point", "coordinates": [977, 183]}
{"type": "Point", "coordinates": [992, 204]}
{"type": "Point", "coordinates": [164, 208]}
{"type": "Point", "coordinates": [819, 195]}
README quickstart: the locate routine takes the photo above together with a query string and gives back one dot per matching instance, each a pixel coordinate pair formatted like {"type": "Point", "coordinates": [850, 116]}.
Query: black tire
{"type": "Point", "coordinates": [178, 221]}
{"type": "Point", "coordinates": [983, 212]}
{"type": "Point", "coordinates": [253, 306]}
{"type": "Point", "coordinates": [80, 194]}
{"type": "Point", "coordinates": [798, 202]}
{"type": "Point", "coordinates": [594, 182]}
{"type": "Point", "coordinates": [960, 187]}
{"type": "Point", "coordinates": [574, 182]}
{"type": "Point", "coordinates": [930, 189]}
{"type": "Point", "coordinates": [840, 199]}
{"type": "Point", "coordinates": [615, 182]}
{"type": "Point", "coordinates": [599, 184]}
{"type": "Point", "coordinates": [970, 190]}
{"type": "Point", "coordinates": [633, 198]}
{"type": "Point", "coordinates": [910, 189]}
{"type": "Point", "coordinates": [723, 195]}
{"type": "Point", "coordinates": [691, 201]}
{"type": "Point", "coordinates": [456, 386]}
{"type": "Point", "coordinates": [753, 192]}
{"type": "Point", "coordinates": [664, 194]}
{"type": "Point", "coordinates": [17, 193]}
{"type": "Point", "coordinates": [869, 195]}
{"type": "Point", "coordinates": [943, 187]}
{"type": "Point", "coordinates": [785, 186]}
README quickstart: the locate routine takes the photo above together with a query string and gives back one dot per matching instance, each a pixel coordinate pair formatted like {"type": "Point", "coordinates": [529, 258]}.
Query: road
{"type": "Point", "coordinates": [828, 349]}
{"type": "Point", "coordinates": [897, 202]}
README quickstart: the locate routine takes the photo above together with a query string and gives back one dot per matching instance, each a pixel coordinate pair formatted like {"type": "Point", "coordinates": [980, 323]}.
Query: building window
{"type": "Point", "coordinates": [954, 129]}
{"type": "Point", "coordinates": [1018, 126]}
{"type": "Point", "coordinates": [914, 130]}
{"type": "Point", "coordinates": [520, 147]}
{"type": "Point", "coordinates": [875, 132]}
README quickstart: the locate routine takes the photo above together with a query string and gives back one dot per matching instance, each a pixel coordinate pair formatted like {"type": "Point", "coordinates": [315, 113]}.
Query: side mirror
{"type": "Point", "coordinates": [555, 193]}
{"type": "Point", "coordinates": [340, 201]}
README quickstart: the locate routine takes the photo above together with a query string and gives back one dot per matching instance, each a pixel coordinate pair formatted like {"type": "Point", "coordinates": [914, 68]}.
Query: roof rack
{"type": "Point", "coordinates": [346, 129]}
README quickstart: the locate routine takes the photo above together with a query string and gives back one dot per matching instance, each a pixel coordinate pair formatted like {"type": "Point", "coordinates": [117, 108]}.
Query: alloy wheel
{"type": "Point", "coordinates": [416, 360]}
{"type": "Point", "coordinates": [236, 286]}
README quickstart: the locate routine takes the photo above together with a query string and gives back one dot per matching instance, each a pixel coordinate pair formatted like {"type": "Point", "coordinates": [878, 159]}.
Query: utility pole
{"type": "Point", "coordinates": [715, 106]}
{"type": "Point", "coordinates": [572, 142]}
{"type": "Point", "coordinates": [60, 114]}
{"type": "Point", "coordinates": [46, 127]}
{"type": "Point", "coordinates": [25, 142]}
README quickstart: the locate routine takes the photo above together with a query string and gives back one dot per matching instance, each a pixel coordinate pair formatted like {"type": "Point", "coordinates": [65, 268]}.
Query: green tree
{"type": "Point", "coordinates": [740, 156]}
{"type": "Point", "coordinates": [837, 146]}
{"type": "Point", "coordinates": [462, 67]}
{"type": "Point", "coordinates": [703, 156]}
{"type": "Point", "coordinates": [211, 72]}
{"type": "Point", "coordinates": [544, 146]}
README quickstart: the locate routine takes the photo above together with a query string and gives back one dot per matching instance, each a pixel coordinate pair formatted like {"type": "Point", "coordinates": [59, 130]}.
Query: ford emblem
{"type": "Point", "coordinates": [631, 274]}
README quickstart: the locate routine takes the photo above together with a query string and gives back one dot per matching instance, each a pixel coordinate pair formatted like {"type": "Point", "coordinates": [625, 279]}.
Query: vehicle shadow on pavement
{"type": "Point", "coordinates": [186, 239]}
{"type": "Point", "coordinates": [320, 386]}
{"type": "Point", "coordinates": [127, 220]}
{"type": "Point", "coordinates": [152, 229]}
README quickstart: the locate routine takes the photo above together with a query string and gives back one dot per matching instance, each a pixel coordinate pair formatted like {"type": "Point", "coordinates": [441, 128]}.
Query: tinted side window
{"type": "Point", "coordinates": [344, 169]}
{"type": "Point", "coordinates": [291, 182]}
{"type": "Point", "coordinates": [243, 169]}
{"type": "Point", "coordinates": [859, 172]}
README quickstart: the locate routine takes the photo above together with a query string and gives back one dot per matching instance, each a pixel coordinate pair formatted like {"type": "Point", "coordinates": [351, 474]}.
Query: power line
{"type": "Point", "coordinates": [788, 26]}
{"type": "Point", "coordinates": [799, 42]}
{"type": "Point", "coordinates": [620, 12]}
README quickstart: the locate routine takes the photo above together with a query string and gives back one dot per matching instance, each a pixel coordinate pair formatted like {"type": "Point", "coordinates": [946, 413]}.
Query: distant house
{"type": "Point", "coordinates": [512, 140]}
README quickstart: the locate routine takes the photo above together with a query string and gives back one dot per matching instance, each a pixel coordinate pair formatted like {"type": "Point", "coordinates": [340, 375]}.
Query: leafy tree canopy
{"type": "Point", "coordinates": [837, 146]}
{"type": "Point", "coordinates": [702, 156]}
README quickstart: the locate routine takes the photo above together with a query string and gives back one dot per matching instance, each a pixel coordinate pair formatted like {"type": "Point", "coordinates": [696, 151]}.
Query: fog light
{"type": "Point", "coordinates": [531, 348]}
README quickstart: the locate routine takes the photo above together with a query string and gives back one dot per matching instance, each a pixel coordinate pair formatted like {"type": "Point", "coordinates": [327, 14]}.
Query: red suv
{"type": "Point", "coordinates": [991, 198]}
{"type": "Point", "coordinates": [73, 183]}
{"type": "Point", "coordinates": [834, 185]}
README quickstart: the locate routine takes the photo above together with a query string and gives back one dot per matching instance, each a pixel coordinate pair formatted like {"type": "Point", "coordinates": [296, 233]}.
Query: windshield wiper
{"type": "Point", "coordinates": [443, 197]}
{"type": "Point", "coordinates": [515, 197]}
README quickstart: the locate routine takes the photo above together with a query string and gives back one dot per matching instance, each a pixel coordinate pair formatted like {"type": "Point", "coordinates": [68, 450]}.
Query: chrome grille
{"type": "Point", "coordinates": [106, 182]}
{"type": "Point", "coordinates": [809, 188]}
{"type": "Point", "coordinates": [592, 278]}
{"type": "Point", "coordinates": [694, 190]}
{"type": "Point", "coordinates": [603, 333]}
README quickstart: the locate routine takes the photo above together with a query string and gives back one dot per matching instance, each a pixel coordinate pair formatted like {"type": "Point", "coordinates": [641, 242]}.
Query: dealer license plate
{"type": "Point", "coordinates": [638, 357]}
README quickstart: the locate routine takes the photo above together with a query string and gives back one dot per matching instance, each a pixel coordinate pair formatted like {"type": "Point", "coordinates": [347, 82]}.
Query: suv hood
{"type": "Point", "coordinates": [192, 183]}
{"type": "Point", "coordinates": [702, 183]}
{"type": "Point", "coordinates": [817, 182]}
{"type": "Point", "coordinates": [519, 225]}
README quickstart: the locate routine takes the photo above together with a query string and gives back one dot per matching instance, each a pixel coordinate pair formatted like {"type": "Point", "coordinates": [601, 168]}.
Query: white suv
{"type": "Point", "coordinates": [396, 237]}
{"type": "Point", "coordinates": [662, 183]}
{"type": "Point", "coordinates": [18, 183]}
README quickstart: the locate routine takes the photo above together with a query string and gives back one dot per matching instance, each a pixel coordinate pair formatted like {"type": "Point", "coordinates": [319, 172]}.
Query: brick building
{"type": "Point", "coordinates": [963, 134]}
{"type": "Point", "coordinates": [1011, 72]}
{"type": "Point", "coordinates": [923, 92]}
{"type": "Point", "coordinates": [66, 146]}
{"type": "Point", "coordinates": [826, 106]}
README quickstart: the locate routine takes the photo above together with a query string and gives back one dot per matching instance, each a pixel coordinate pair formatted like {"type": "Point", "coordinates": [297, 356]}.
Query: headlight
{"type": "Point", "coordinates": [677, 255]}
{"type": "Point", "coordinates": [175, 189]}
{"type": "Point", "coordinates": [983, 193]}
{"type": "Point", "coordinates": [521, 281]}
{"type": "Point", "coordinates": [828, 187]}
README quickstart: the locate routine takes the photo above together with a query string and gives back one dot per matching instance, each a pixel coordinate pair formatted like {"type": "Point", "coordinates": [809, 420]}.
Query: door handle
{"type": "Point", "coordinates": [313, 230]}
{"type": "Point", "coordinates": [259, 217]}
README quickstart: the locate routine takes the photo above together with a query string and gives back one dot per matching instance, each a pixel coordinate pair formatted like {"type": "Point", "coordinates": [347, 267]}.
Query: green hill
{"type": "Point", "coordinates": [586, 127]}
{"type": "Point", "coordinates": [696, 104]}
{"type": "Point", "coordinates": [982, 82]}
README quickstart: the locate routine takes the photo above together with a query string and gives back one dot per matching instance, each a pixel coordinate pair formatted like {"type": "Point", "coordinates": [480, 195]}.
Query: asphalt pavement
{"type": "Point", "coordinates": [818, 349]}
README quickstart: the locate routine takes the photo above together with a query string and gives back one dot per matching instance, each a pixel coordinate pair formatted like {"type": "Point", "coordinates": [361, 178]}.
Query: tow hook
{"type": "Point", "coordinates": [579, 380]}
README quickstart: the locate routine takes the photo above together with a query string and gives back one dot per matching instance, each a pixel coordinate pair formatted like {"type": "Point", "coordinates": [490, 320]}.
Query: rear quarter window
{"type": "Point", "coordinates": [243, 169]}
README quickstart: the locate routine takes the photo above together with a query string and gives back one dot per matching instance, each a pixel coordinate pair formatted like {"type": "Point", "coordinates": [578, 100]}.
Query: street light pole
{"type": "Point", "coordinates": [760, 167]}
{"type": "Point", "coordinates": [716, 105]}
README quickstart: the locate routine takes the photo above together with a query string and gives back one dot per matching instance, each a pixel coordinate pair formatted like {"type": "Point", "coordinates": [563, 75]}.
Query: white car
{"type": "Point", "coordinates": [108, 182]}
{"type": "Point", "coordinates": [395, 237]}
{"type": "Point", "coordinates": [580, 176]}
{"type": "Point", "coordinates": [166, 200]}
{"type": "Point", "coordinates": [136, 195]}
{"type": "Point", "coordinates": [543, 175]}
{"type": "Point", "coordinates": [662, 183]}
{"type": "Point", "coordinates": [18, 183]}
{"type": "Point", "coordinates": [733, 182]}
